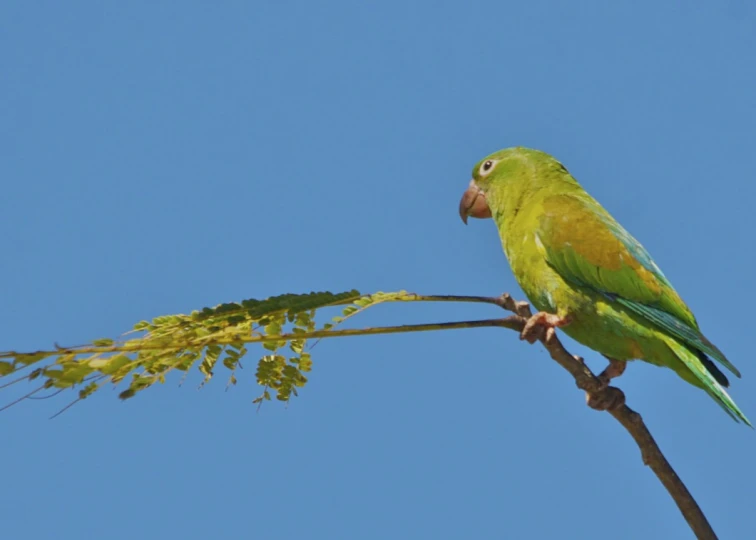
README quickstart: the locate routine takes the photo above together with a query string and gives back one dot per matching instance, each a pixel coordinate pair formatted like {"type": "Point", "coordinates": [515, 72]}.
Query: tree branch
{"type": "Point", "coordinates": [512, 322]}
{"type": "Point", "coordinates": [630, 420]}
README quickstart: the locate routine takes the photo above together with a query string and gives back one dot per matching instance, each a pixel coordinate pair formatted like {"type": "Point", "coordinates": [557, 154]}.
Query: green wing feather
{"type": "Point", "coordinates": [680, 330]}
{"type": "Point", "coordinates": [588, 247]}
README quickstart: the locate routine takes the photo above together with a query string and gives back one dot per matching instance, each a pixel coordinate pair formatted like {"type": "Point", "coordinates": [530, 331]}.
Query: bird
{"type": "Point", "coordinates": [587, 275]}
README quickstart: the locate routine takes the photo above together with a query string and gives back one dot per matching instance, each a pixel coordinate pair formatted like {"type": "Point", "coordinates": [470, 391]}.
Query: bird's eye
{"type": "Point", "coordinates": [487, 166]}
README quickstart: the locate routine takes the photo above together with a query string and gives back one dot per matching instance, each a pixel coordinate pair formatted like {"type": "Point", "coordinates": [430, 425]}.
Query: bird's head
{"type": "Point", "coordinates": [499, 177]}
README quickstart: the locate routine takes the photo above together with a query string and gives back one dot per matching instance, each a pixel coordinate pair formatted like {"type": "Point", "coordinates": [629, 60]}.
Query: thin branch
{"type": "Point", "coordinates": [507, 322]}
{"type": "Point", "coordinates": [19, 400]}
{"type": "Point", "coordinates": [630, 420]}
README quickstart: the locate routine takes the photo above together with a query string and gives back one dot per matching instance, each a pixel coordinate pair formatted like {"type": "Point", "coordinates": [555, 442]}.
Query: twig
{"type": "Point", "coordinates": [630, 420]}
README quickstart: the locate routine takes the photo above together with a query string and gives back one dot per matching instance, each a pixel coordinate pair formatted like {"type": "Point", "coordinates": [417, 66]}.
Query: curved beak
{"type": "Point", "coordinates": [473, 204]}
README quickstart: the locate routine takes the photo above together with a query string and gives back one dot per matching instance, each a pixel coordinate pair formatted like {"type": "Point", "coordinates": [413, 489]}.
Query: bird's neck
{"type": "Point", "coordinates": [506, 202]}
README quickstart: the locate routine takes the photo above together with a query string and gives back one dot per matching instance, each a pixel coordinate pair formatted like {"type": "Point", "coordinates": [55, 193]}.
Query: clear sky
{"type": "Point", "coordinates": [157, 157]}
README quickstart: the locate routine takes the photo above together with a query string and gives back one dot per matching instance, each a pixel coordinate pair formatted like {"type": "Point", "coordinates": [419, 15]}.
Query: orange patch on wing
{"type": "Point", "coordinates": [592, 240]}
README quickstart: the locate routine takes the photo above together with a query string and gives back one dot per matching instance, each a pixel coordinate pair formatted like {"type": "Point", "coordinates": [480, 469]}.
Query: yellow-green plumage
{"type": "Point", "coordinates": [573, 259]}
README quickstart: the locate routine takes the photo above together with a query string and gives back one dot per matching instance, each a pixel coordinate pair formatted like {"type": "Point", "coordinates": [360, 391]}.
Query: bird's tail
{"type": "Point", "coordinates": [708, 382]}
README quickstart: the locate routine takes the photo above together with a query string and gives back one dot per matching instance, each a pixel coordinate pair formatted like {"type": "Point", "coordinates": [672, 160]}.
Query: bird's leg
{"type": "Point", "coordinates": [612, 371]}
{"type": "Point", "coordinates": [608, 397]}
{"type": "Point", "coordinates": [541, 322]}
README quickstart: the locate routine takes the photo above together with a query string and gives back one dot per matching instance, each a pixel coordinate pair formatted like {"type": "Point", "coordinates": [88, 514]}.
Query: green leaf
{"type": "Point", "coordinates": [127, 394]}
{"type": "Point", "coordinates": [305, 362]}
{"type": "Point", "coordinates": [297, 345]}
{"type": "Point", "coordinates": [179, 342]}
{"type": "Point", "coordinates": [88, 390]}
{"type": "Point", "coordinates": [143, 325]}
{"type": "Point", "coordinates": [26, 359]}
{"type": "Point", "coordinates": [108, 366]}
{"type": "Point", "coordinates": [273, 329]}
{"type": "Point", "coordinates": [211, 357]}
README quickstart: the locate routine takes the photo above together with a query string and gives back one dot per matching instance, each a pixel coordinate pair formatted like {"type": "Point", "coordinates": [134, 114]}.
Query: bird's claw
{"type": "Point", "coordinates": [607, 397]}
{"type": "Point", "coordinates": [538, 325]}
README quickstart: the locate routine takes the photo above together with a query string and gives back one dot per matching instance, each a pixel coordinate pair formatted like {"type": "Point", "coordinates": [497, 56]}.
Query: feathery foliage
{"type": "Point", "coordinates": [210, 338]}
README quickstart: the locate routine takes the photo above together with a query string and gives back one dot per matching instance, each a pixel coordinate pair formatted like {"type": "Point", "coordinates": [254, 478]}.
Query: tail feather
{"type": "Point", "coordinates": [709, 382]}
{"type": "Point", "coordinates": [712, 368]}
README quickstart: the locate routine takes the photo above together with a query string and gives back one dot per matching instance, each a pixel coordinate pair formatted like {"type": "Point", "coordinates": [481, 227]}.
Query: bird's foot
{"type": "Point", "coordinates": [540, 324]}
{"type": "Point", "coordinates": [608, 397]}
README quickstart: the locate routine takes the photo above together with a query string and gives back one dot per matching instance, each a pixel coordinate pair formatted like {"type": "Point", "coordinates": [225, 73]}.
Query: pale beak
{"type": "Point", "coordinates": [473, 203]}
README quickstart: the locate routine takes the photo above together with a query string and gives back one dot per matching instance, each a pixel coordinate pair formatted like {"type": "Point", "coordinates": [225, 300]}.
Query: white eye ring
{"type": "Point", "coordinates": [487, 166]}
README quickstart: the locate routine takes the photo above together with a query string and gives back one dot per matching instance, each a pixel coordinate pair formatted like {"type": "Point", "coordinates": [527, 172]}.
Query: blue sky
{"type": "Point", "coordinates": [157, 157]}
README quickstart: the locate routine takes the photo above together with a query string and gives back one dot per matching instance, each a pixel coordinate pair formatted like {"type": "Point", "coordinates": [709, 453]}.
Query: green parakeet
{"type": "Point", "coordinates": [585, 273]}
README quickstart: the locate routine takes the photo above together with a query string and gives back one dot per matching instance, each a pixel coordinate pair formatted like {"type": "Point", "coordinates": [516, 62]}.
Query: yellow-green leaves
{"type": "Point", "coordinates": [212, 340]}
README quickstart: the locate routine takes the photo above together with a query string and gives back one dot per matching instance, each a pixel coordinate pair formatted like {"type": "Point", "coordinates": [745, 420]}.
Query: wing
{"type": "Point", "coordinates": [582, 242]}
